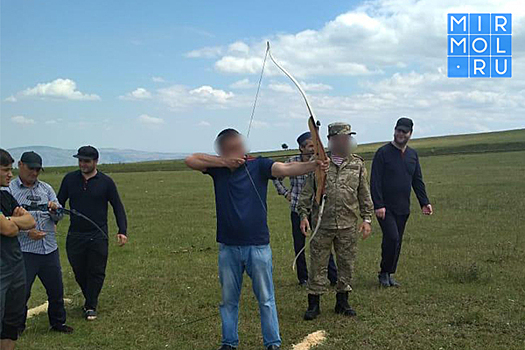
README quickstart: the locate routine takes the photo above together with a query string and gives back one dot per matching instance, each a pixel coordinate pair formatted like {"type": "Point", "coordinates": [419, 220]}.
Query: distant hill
{"type": "Point", "coordinates": [64, 157]}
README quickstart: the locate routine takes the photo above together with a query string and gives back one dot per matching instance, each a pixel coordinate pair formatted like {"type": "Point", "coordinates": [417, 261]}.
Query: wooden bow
{"type": "Point", "coordinates": [319, 151]}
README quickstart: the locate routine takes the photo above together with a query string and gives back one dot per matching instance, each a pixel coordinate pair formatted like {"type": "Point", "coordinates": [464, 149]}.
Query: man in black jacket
{"type": "Point", "coordinates": [13, 218]}
{"type": "Point", "coordinates": [395, 171]}
{"type": "Point", "coordinates": [89, 192]}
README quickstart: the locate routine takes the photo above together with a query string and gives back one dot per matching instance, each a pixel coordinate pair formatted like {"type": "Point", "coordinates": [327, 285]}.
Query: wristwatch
{"type": "Point", "coordinates": [367, 221]}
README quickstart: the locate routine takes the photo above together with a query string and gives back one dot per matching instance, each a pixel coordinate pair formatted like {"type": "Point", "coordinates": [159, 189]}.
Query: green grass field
{"type": "Point", "coordinates": [463, 269]}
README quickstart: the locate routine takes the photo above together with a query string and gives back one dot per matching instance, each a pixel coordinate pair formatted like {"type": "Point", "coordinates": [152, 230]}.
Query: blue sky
{"type": "Point", "coordinates": [169, 75]}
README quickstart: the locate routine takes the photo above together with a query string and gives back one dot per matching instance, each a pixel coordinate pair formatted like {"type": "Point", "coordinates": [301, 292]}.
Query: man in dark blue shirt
{"type": "Point", "coordinates": [241, 185]}
{"type": "Point", "coordinates": [395, 171]}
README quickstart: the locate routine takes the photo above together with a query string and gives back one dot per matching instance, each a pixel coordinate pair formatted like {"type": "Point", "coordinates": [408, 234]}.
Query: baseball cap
{"type": "Point", "coordinates": [405, 124]}
{"type": "Point", "coordinates": [87, 153]}
{"type": "Point", "coordinates": [32, 160]}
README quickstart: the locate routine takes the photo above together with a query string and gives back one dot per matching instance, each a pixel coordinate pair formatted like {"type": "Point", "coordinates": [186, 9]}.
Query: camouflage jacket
{"type": "Point", "coordinates": [347, 195]}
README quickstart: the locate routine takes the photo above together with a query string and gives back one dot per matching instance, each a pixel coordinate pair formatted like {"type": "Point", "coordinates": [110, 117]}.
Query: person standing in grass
{"type": "Point", "coordinates": [347, 200]}
{"type": "Point", "coordinates": [13, 219]}
{"type": "Point", "coordinates": [89, 191]}
{"type": "Point", "coordinates": [395, 171]}
{"type": "Point", "coordinates": [39, 246]}
{"type": "Point", "coordinates": [241, 184]}
{"type": "Point", "coordinates": [306, 148]}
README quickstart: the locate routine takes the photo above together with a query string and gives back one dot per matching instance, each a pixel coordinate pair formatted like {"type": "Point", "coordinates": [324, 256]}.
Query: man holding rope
{"type": "Point", "coordinates": [39, 245]}
{"type": "Point", "coordinates": [241, 185]}
{"type": "Point", "coordinates": [347, 199]}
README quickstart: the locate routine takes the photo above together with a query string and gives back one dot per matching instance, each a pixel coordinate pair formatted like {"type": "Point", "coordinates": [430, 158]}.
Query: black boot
{"type": "Point", "coordinates": [342, 307]}
{"type": "Point", "coordinates": [384, 279]}
{"type": "Point", "coordinates": [313, 307]}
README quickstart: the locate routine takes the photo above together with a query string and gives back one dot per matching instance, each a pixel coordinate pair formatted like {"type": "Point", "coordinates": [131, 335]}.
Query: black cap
{"type": "Point", "coordinates": [32, 160]}
{"type": "Point", "coordinates": [405, 124]}
{"type": "Point", "coordinates": [303, 137]}
{"type": "Point", "coordinates": [87, 153]}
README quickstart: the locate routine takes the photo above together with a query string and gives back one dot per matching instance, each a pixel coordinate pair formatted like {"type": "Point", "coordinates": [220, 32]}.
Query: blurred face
{"type": "Point", "coordinates": [87, 166]}
{"type": "Point", "coordinates": [28, 174]}
{"type": "Point", "coordinates": [307, 148]}
{"type": "Point", "coordinates": [6, 174]}
{"type": "Point", "coordinates": [233, 147]}
{"type": "Point", "coordinates": [401, 137]}
{"type": "Point", "coordinates": [340, 145]}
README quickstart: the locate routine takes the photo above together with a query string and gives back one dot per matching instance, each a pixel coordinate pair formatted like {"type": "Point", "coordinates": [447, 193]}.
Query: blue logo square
{"type": "Point", "coordinates": [479, 23]}
{"type": "Point", "coordinates": [458, 45]}
{"type": "Point", "coordinates": [457, 67]}
{"type": "Point", "coordinates": [501, 23]}
{"type": "Point", "coordinates": [479, 45]}
{"type": "Point", "coordinates": [501, 45]}
{"type": "Point", "coordinates": [479, 67]}
{"type": "Point", "coordinates": [458, 23]}
{"type": "Point", "coordinates": [501, 67]}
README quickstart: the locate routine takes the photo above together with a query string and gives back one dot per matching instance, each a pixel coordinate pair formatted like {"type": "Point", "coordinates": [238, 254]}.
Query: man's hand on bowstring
{"type": "Point", "coordinates": [234, 163]}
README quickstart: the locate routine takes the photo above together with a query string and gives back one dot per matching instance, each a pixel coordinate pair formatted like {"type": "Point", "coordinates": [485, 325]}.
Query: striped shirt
{"type": "Point", "coordinates": [337, 160]}
{"type": "Point", "coordinates": [40, 193]}
{"type": "Point", "coordinates": [296, 185]}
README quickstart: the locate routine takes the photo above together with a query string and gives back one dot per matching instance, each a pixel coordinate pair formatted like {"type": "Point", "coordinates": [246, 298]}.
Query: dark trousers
{"type": "Point", "coordinates": [88, 255]}
{"type": "Point", "coordinates": [47, 268]}
{"type": "Point", "coordinates": [299, 240]}
{"type": "Point", "coordinates": [12, 300]}
{"type": "Point", "coordinates": [393, 227]}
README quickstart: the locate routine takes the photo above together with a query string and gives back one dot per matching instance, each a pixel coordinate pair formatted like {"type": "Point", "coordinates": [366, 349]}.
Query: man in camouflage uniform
{"type": "Point", "coordinates": [347, 198]}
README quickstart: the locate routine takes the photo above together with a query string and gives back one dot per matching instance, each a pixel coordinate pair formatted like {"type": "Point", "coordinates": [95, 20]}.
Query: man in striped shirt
{"type": "Point", "coordinates": [306, 148]}
{"type": "Point", "coordinates": [39, 245]}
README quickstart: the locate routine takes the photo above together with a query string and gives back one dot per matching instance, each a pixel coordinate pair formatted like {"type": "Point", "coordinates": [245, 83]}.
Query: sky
{"type": "Point", "coordinates": [167, 76]}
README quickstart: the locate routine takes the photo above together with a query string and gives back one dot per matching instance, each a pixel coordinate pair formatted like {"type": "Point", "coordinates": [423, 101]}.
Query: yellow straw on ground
{"type": "Point", "coordinates": [41, 309]}
{"type": "Point", "coordinates": [311, 340]}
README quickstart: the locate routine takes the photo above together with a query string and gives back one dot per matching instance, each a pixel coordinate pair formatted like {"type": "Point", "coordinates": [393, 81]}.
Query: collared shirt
{"type": "Point", "coordinates": [90, 198]}
{"type": "Point", "coordinates": [296, 185]}
{"type": "Point", "coordinates": [39, 194]}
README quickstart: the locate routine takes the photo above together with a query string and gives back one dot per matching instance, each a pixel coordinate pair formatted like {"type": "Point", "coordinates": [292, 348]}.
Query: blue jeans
{"type": "Point", "coordinates": [257, 261]}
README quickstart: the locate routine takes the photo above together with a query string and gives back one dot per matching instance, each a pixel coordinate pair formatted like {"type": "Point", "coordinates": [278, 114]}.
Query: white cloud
{"type": "Point", "coordinates": [281, 87]}
{"type": "Point", "coordinates": [239, 47]}
{"type": "Point", "coordinates": [158, 79]}
{"type": "Point", "coordinates": [243, 84]}
{"type": "Point", "coordinates": [205, 52]}
{"type": "Point", "coordinates": [372, 38]}
{"type": "Point", "coordinates": [20, 119]}
{"type": "Point", "coordinates": [315, 87]}
{"type": "Point", "coordinates": [151, 121]}
{"type": "Point", "coordinates": [241, 65]}
{"type": "Point", "coordinates": [203, 123]}
{"type": "Point", "coordinates": [137, 94]}
{"type": "Point", "coordinates": [10, 99]}
{"type": "Point", "coordinates": [59, 89]}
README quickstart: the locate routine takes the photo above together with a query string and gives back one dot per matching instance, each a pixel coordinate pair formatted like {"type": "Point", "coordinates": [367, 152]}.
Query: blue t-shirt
{"type": "Point", "coordinates": [241, 215]}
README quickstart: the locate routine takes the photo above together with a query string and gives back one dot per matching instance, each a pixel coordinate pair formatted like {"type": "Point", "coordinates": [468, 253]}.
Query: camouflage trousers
{"type": "Point", "coordinates": [344, 242]}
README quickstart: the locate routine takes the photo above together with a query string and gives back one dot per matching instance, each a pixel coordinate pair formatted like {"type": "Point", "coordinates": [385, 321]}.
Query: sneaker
{"type": "Point", "coordinates": [227, 347]}
{"type": "Point", "coordinates": [62, 328]}
{"type": "Point", "coordinates": [90, 314]}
